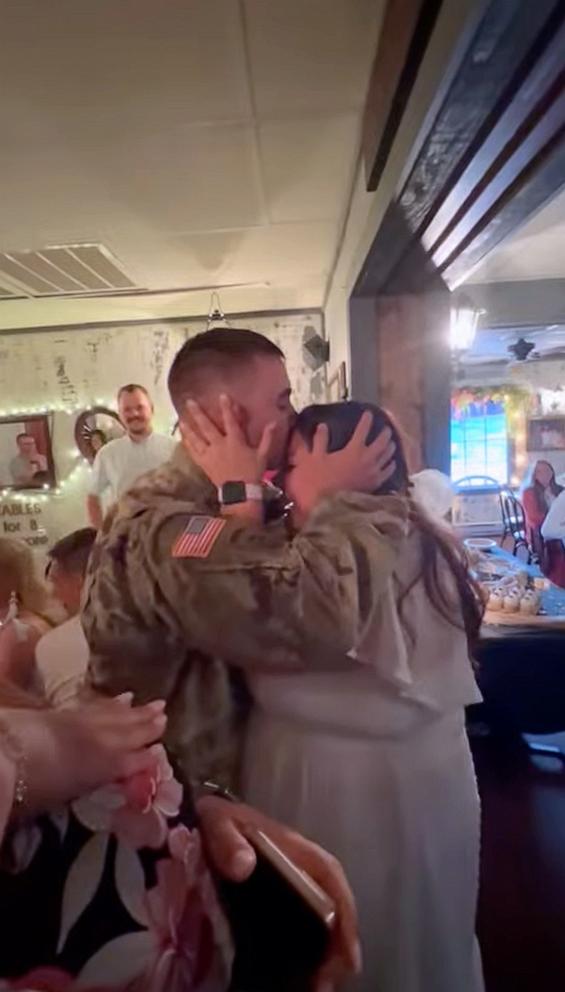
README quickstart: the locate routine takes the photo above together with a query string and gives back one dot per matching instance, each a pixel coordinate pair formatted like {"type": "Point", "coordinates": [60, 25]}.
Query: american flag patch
{"type": "Point", "coordinates": [198, 537]}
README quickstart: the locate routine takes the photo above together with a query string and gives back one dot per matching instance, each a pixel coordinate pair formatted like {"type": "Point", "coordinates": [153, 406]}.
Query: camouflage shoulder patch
{"type": "Point", "coordinates": [198, 537]}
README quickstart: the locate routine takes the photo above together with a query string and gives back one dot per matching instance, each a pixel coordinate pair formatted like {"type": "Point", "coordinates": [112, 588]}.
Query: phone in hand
{"type": "Point", "coordinates": [282, 922]}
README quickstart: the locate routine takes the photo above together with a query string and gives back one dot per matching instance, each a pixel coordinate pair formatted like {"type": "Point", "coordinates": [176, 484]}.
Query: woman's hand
{"type": "Point", "coordinates": [71, 752]}
{"type": "Point", "coordinates": [224, 825]}
{"type": "Point", "coordinates": [225, 456]}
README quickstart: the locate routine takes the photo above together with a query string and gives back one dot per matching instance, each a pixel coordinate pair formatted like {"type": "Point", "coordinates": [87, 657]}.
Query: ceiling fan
{"type": "Point", "coordinates": [522, 350]}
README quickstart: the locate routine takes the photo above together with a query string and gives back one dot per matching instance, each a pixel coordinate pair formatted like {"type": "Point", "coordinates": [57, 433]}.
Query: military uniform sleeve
{"type": "Point", "coordinates": [262, 597]}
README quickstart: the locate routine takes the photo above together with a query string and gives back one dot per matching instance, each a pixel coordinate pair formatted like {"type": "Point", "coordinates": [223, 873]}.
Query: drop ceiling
{"type": "Point", "coordinates": [491, 343]}
{"type": "Point", "coordinates": [200, 142]}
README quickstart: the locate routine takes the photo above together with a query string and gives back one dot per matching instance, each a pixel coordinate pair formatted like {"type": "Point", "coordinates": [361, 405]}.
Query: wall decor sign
{"type": "Point", "coordinates": [546, 434]}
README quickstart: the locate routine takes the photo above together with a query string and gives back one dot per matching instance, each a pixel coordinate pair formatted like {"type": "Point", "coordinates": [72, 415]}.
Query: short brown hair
{"type": "Point", "coordinates": [217, 351]}
{"type": "Point", "coordinates": [131, 388]}
{"type": "Point", "coordinates": [73, 551]}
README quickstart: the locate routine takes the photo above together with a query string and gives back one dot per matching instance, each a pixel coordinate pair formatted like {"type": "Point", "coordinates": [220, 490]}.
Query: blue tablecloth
{"type": "Point", "coordinates": [520, 670]}
{"type": "Point", "coordinates": [552, 599]}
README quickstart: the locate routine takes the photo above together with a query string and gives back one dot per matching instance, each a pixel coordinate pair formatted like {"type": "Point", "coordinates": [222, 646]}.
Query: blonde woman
{"type": "Point", "coordinates": [23, 611]}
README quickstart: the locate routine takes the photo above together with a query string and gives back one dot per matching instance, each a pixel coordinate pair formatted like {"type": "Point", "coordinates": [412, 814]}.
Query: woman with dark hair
{"type": "Point", "coordinates": [370, 756]}
{"type": "Point", "coordinates": [539, 491]}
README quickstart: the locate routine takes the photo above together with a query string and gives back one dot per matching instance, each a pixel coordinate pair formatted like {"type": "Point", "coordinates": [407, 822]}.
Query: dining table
{"type": "Point", "coordinates": [520, 663]}
{"type": "Point", "coordinates": [551, 617]}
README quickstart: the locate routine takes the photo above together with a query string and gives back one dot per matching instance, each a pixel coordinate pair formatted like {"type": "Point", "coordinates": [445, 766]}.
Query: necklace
{"type": "Point", "coordinates": [12, 610]}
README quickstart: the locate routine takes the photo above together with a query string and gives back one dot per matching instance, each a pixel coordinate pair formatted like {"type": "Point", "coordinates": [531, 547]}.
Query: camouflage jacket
{"type": "Point", "coordinates": [162, 614]}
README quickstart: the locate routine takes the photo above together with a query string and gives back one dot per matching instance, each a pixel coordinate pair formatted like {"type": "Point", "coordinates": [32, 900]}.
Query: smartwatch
{"type": "Point", "coordinates": [239, 492]}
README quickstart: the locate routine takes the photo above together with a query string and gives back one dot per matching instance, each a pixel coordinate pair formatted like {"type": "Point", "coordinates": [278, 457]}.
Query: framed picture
{"type": "Point", "coordinates": [26, 456]}
{"type": "Point", "coordinates": [546, 434]}
{"type": "Point", "coordinates": [94, 428]}
{"type": "Point", "coordinates": [337, 385]}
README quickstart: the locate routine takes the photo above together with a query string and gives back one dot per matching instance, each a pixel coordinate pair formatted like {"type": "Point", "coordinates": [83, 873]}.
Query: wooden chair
{"type": "Point", "coordinates": [470, 482]}
{"type": "Point", "coordinates": [514, 523]}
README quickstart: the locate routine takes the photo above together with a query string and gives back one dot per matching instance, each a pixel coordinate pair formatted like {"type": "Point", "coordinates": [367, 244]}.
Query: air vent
{"type": "Point", "coordinates": [66, 270]}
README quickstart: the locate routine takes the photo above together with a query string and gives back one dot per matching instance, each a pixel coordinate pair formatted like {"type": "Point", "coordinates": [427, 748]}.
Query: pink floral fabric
{"type": "Point", "coordinates": [179, 939]}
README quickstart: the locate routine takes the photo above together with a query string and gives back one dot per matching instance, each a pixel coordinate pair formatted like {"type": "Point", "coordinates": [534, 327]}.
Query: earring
{"type": "Point", "coordinates": [12, 607]}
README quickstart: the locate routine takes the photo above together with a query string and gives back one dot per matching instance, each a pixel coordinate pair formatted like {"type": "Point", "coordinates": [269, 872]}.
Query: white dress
{"type": "Point", "coordinates": [374, 764]}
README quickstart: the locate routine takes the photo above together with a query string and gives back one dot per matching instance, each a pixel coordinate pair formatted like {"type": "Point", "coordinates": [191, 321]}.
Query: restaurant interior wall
{"type": "Point", "coordinates": [64, 371]}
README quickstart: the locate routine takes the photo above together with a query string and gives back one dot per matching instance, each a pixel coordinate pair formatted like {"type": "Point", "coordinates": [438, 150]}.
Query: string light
{"type": "Point", "coordinates": [68, 408]}
{"type": "Point", "coordinates": [46, 493]}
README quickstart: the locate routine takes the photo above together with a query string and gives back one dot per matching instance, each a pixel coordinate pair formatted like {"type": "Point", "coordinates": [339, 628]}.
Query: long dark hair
{"type": "Point", "coordinates": [531, 482]}
{"type": "Point", "coordinates": [437, 546]}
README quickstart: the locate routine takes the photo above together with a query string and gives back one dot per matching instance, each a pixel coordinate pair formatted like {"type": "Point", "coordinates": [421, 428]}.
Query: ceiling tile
{"type": "Point", "coordinates": [281, 254]}
{"type": "Point", "coordinates": [186, 179]}
{"type": "Point", "coordinates": [308, 166]}
{"type": "Point", "coordinates": [311, 55]}
{"type": "Point", "coordinates": [128, 122]}
{"type": "Point", "coordinates": [132, 58]}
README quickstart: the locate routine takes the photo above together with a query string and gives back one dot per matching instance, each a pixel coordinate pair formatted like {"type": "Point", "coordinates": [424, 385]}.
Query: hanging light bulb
{"type": "Point", "coordinates": [216, 316]}
{"type": "Point", "coordinates": [463, 323]}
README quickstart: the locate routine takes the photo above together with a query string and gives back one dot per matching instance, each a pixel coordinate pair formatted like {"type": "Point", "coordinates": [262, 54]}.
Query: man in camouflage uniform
{"type": "Point", "coordinates": [176, 585]}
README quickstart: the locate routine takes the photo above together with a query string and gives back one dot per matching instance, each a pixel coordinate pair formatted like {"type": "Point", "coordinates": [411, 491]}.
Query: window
{"type": "Point", "coordinates": [479, 441]}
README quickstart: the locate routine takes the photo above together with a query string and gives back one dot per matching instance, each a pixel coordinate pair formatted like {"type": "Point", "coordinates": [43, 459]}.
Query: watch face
{"type": "Point", "coordinates": [233, 492]}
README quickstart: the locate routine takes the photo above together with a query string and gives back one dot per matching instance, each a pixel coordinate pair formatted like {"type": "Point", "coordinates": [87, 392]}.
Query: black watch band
{"type": "Point", "coordinates": [232, 493]}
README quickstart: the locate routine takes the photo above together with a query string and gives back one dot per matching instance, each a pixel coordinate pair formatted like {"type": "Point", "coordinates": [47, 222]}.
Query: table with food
{"type": "Point", "coordinates": [520, 654]}
{"type": "Point", "coordinates": [516, 594]}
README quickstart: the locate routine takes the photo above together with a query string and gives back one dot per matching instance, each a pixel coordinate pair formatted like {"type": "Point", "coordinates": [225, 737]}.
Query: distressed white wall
{"type": "Point", "coordinates": [67, 370]}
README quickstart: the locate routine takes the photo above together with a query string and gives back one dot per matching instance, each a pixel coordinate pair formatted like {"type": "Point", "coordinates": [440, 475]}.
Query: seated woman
{"type": "Point", "coordinates": [553, 533]}
{"type": "Point", "coordinates": [109, 889]}
{"type": "Point", "coordinates": [370, 757]}
{"type": "Point", "coordinates": [539, 492]}
{"type": "Point", "coordinates": [23, 612]}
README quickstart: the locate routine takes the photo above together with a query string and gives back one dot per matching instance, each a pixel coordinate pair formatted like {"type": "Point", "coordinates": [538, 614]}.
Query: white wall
{"type": "Point", "coordinates": [67, 370]}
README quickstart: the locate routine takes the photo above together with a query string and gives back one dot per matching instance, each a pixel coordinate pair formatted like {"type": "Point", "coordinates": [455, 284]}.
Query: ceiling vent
{"type": "Point", "coordinates": [65, 270]}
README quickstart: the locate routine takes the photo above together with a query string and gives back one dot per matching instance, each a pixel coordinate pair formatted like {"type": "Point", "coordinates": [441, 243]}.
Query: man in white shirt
{"type": "Point", "coordinates": [553, 527]}
{"type": "Point", "coordinates": [28, 462]}
{"type": "Point", "coordinates": [119, 463]}
{"type": "Point", "coordinates": [62, 655]}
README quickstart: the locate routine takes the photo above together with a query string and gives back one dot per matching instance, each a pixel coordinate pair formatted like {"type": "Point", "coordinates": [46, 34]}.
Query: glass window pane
{"type": "Point", "coordinates": [479, 443]}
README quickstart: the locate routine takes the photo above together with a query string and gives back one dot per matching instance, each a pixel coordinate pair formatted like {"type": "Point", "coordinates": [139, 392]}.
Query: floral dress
{"type": "Point", "coordinates": [113, 894]}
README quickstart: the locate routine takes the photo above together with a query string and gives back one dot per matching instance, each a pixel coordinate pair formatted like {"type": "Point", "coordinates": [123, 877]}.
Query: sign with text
{"type": "Point", "coordinates": [23, 520]}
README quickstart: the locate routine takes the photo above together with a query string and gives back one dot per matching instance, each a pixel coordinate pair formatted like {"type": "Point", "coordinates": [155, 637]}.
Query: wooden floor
{"type": "Point", "coordinates": [522, 903]}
